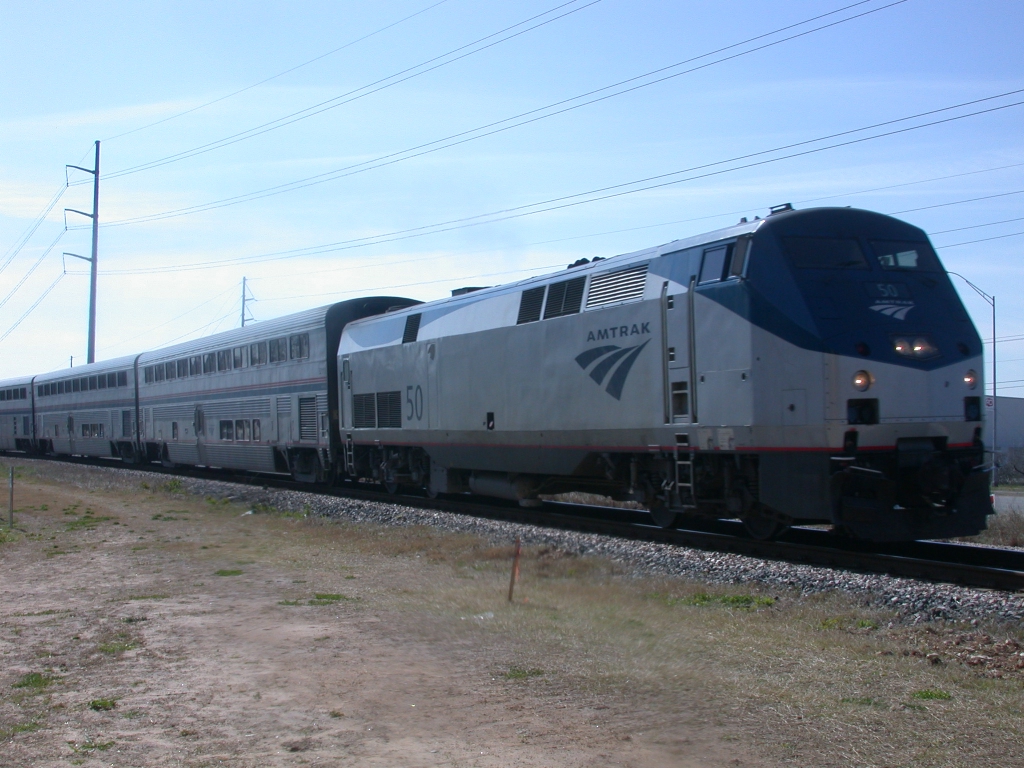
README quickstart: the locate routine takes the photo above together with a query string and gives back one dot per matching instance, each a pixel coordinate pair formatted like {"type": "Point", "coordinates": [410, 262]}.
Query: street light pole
{"type": "Point", "coordinates": [991, 301]}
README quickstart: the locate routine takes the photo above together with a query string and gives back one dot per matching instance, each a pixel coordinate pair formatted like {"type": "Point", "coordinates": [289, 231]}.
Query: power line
{"type": "Point", "coordinates": [353, 95]}
{"type": "Point", "coordinates": [37, 302]}
{"type": "Point", "coordinates": [482, 131]}
{"type": "Point", "coordinates": [975, 226]}
{"type": "Point", "coordinates": [33, 268]}
{"type": "Point", "coordinates": [595, 195]}
{"type": "Point", "coordinates": [36, 223]}
{"type": "Point", "coordinates": [279, 74]}
{"type": "Point", "coordinates": [959, 202]}
{"type": "Point", "coordinates": [982, 240]}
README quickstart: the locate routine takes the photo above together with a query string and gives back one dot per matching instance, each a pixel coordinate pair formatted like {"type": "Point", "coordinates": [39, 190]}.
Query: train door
{"type": "Point", "coordinates": [345, 396]}
{"type": "Point", "coordinates": [199, 428]}
{"type": "Point", "coordinates": [71, 434]}
{"type": "Point", "coordinates": [676, 349]}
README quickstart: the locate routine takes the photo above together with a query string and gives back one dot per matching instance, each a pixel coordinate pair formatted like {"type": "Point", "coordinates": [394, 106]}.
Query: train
{"type": "Point", "coordinates": [809, 367]}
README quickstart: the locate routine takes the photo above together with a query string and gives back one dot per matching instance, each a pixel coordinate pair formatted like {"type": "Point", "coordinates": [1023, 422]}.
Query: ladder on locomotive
{"type": "Point", "coordinates": [350, 455]}
{"type": "Point", "coordinates": [684, 472]}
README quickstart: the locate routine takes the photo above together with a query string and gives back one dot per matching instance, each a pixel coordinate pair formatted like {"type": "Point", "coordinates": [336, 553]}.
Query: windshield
{"type": "Point", "coordinates": [824, 253]}
{"type": "Point", "coordinates": [905, 255]}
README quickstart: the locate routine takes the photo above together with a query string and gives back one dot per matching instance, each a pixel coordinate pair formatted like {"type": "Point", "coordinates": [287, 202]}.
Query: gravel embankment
{"type": "Point", "coordinates": [913, 601]}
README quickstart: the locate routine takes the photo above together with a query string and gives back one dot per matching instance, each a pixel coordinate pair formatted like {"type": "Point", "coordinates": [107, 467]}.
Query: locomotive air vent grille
{"type": "Point", "coordinates": [412, 328]}
{"type": "Point", "coordinates": [389, 410]}
{"type": "Point", "coordinates": [564, 298]}
{"type": "Point", "coordinates": [615, 287]}
{"type": "Point", "coordinates": [364, 411]}
{"type": "Point", "coordinates": [530, 304]}
{"type": "Point", "coordinates": [284, 406]}
{"type": "Point", "coordinates": [307, 418]}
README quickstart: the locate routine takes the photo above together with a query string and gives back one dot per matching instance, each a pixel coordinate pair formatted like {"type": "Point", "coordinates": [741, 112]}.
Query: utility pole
{"type": "Point", "coordinates": [246, 298]}
{"type": "Point", "coordinates": [95, 216]}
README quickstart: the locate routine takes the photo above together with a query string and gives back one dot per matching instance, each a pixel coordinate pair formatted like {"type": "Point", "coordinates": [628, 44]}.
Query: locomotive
{"type": "Point", "coordinates": [810, 367]}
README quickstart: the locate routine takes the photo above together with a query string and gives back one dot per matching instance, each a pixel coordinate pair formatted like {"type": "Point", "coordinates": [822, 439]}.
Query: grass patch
{"type": "Point", "coordinates": [87, 522]}
{"type": "Point", "coordinates": [134, 619]}
{"type": "Point", "coordinates": [119, 644]}
{"type": "Point", "coordinates": [744, 602]}
{"type": "Point", "coordinates": [863, 701]}
{"type": "Point", "coordinates": [328, 598]}
{"type": "Point", "coordinates": [89, 746]}
{"type": "Point", "coordinates": [931, 694]}
{"type": "Point", "coordinates": [521, 673]}
{"type": "Point", "coordinates": [229, 572]}
{"type": "Point", "coordinates": [34, 681]}
{"type": "Point", "coordinates": [147, 597]}
{"type": "Point", "coordinates": [174, 485]}
{"type": "Point", "coordinates": [103, 705]}
{"type": "Point", "coordinates": [32, 725]}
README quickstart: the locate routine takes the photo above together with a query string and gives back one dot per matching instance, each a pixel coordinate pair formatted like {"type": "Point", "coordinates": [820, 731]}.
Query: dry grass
{"type": "Point", "coordinates": [807, 681]}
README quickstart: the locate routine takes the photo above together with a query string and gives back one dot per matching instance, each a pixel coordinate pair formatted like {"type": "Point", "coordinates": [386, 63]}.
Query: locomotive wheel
{"type": "Point", "coordinates": [763, 526]}
{"type": "Point", "coordinates": [391, 486]}
{"type": "Point", "coordinates": [663, 517]}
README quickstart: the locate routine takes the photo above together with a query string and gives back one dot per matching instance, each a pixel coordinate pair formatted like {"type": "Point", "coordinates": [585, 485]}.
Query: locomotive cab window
{"type": "Point", "coordinates": [905, 256]}
{"type": "Point", "coordinates": [712, 267]}
{"type": "Point", "coordinates": [824, 253]}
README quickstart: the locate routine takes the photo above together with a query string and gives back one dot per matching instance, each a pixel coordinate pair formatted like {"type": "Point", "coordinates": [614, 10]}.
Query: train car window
{"type": "Point", "coordinates": [824, 253]}
{"type": "Point", "coordinates": [147, 374]}
{"type": "Point", "coordinates": [182, 366]}
{"type": "Point", "coordinates": [101, 381]}
{"type": "Point", "coordinates": [111, 380]}
{"type": "Point", "coordinates": [738, 261]}
{"type": "Point", "coordinates": [298, 346]}
{"type": "Point", "coordinates": [122, 379]}
{"type": "Point", "coordinates": [238, 355]}
{"type": "Point", "coordinates": [3, 395]}
{"type": "Point", "coordinates": [60, 387]}
{"type": "Point", "coordinates": [412, 328]}
{"type": "Point", "coordinates": [227, 430]}
{"type": "Point", "coordinates": [172, 369]}
{"type": "Point", "coordinates": [258, 353]}
{"type": "Point", "coordinates": [210, 363]}
{"type": "Point", "coordinates": [158, 372]}
{"type": "Point", "coordinates": [530, 305]}
{"type": "Point", "coordinates": [712, 267]}
{"type": "Point", "coordinates": [92, 382]}
{"type": "Point", "coordinates": [278, 350]}
{"type": "Point", "coordinates": [224, 360]}
{"type": "Point", "coordinates": [905, 255]}
{"type": "Point", "coordinates": [23, 391]}
{"type": "Point", "coordinates": [195, 366]}
{"type": "Point", "coordinates": [76, 385]}
{"type": "Point", "coordinates": [564, 298]}
{"type": "Point", "coordinates": [256, 430]}
{"type": "Point", "coordinates": [242, 429]}
{"type": "Point", "coordinates": [174, 430]}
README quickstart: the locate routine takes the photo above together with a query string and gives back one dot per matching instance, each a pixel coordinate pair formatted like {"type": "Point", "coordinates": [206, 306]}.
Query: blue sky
{"type": "Point", "coordinates": [74, 73]}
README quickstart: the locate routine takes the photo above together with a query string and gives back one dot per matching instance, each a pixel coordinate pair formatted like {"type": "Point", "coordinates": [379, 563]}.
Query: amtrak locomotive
{"type": "Point", "coordinates": [813, 366]}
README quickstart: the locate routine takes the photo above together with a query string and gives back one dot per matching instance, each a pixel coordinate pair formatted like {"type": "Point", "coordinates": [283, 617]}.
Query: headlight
{"type": "Point", "coordinates": [971, 379]}
{"type": "Point", "coordinates": [862, 381]}
{"type": "Point", "coordinates": [919, 347]}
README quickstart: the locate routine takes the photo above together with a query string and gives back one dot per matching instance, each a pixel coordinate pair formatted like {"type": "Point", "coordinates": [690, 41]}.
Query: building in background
{"type": "Point", "coordinates": [1010, 428]}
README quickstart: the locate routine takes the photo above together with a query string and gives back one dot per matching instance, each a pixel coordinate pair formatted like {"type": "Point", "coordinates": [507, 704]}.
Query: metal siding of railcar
{"type": "Point", "coordinates": [247, 393]}
{"type": "Point", "coordinates": [11, 409]}
{"type": "Point", "coordinates": [94, 406]}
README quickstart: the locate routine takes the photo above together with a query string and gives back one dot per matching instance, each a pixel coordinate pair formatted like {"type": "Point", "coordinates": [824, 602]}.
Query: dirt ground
{"type": "Point", "coordinates": [150, 628]}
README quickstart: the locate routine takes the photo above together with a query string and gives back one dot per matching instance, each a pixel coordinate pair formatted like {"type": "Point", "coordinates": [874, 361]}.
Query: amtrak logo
{"type": "Point", "coordinates": [607, 358]}
{"type": "Point", "coordinates": [894, 309]}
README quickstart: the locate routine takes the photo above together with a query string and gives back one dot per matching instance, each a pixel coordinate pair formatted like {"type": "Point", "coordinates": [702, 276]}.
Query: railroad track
{"type": "Point", "coordinates": [964, 564]}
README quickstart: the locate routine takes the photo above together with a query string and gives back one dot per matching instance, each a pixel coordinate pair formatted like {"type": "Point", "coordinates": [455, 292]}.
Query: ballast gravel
{"type": "Point", "coordinates": [912, 601]}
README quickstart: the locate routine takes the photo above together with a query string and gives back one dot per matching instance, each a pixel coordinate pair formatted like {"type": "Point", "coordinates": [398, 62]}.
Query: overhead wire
{"type": "Point", "coordinates": [366, 90]}
{"type": "Point", "coordinates": [29, 311]}
{"type": "Point", "coordinates": [33, 268]}
{"type": "Point", "coordinates": [437, 145]}
{"type": "Point", "coordinates": [606, 192]}
{"type": "Point", "coordinates": [279, 74]}
{"type": "Point", "coordinates": [15, 249]}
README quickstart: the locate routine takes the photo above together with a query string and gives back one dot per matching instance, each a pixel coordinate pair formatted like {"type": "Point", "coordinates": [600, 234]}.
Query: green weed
{"type": "Point", "coordinates": [931, 694]}
{"type": "Point", "coordinates": [519, 673]}
{"type": "Point", "coordinates": [147, 597]}
{"type": "Point", "coordinates": [103, 705]}
{"type": "Point", "coordinates": [229, 572]}
{"type": "Point", "coordinates": [35, 681]}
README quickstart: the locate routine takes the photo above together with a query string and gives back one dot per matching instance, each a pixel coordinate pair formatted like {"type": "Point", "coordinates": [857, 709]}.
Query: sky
{"type": "Point", "coordinates": [230, 99]}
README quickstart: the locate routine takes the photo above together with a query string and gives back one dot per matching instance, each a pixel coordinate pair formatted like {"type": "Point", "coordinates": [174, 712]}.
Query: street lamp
{"type": "Point", "coordinates": [991, 301]}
